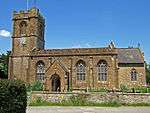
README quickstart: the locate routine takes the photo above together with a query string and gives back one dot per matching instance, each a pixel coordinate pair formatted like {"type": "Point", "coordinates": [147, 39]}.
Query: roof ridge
{"type": "Point", "coordinates": [128, 48]}
{"type": "Point", "coordinates": [76, 48]}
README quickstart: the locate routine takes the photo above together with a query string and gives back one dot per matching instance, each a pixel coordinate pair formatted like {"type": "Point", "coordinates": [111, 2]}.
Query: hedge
{"type": "Point", "coordinates": [13, 97]}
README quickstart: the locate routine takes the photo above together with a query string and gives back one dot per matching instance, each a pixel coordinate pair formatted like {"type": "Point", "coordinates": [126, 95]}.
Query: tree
{"type": "Point", "coordinates": [4, 60]}
{"type": "Point", "coordinates": [148, 73]}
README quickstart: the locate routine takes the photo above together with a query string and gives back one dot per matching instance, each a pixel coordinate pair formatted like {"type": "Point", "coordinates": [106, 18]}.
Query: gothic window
{"type": "Point", "coordinates": [102, 70]}
{"type": "Point", "coordinates": [133, 75]}
{"type": "Point", "coordinates": [23, 28]}
{"type": "Point", "coordinates": [80, 70]}
{"type": "Point", "coordinates": [40, 72]}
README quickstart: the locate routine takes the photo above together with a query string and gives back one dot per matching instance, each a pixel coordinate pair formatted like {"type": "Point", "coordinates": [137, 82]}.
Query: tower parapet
{"type": "Point", "coordinates": [31, 13]}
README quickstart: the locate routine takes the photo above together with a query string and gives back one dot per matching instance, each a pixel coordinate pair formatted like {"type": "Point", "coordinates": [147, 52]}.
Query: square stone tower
{"type": "Point", "coordinates": [28, 35]}
{"type": "Point", "coordinates": [28, 31]}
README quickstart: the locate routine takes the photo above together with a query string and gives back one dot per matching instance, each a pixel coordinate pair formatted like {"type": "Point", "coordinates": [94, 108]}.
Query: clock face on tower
{"type": "Point", "coordinates": [22, 41]}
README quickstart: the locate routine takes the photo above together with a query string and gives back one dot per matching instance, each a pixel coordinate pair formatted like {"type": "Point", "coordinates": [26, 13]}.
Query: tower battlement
{"type": "Point", "coordinates": [31, 13]}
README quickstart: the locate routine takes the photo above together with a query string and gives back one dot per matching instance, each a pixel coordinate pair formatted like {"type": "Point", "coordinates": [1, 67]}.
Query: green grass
{"type": "Point", "coordinates": [137, 104]}
{"type": "Point", "coordinates": [108, 104]}
{"type": "Point", "coordinates": [82, 102]}
{"type": "Point", "coordinates": [75, 101]}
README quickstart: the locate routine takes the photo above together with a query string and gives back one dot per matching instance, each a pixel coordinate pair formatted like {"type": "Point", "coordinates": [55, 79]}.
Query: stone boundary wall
{"type": "Point", "coordinates": [125, 98]}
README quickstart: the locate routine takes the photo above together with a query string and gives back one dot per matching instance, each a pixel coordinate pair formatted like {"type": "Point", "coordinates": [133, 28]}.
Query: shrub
{"type": "Point", "coordinates": [148, 90]}
{"type": "Point", "coordinates": [77, 101]}
{"type": "Point", "coordinates": [39, 102]}
{"type": "Point", "coordinates": [13, 97]}
{"type": "Point", "coordinates": [124, 88]}
{"type": "Point", "coordinates": [37, 86]}
{"type": "Point", "coordinates": [142, 90]}
{"type": "Point", "coordinates": [28, 87]}
{"type": "Point", "coordinates": [99, 90]}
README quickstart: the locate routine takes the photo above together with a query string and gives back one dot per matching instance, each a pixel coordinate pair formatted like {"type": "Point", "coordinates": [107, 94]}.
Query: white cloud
{"type": "Point", "coordinates": [76, 46]}
{"type": "Point", "coordinates": [86, 45]}
{"type": "Point", "coordinates": [4, 33]}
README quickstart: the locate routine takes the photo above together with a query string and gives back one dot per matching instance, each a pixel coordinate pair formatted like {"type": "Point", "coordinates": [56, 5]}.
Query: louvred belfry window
{"type": "Point", "coordinates": [23, 28]}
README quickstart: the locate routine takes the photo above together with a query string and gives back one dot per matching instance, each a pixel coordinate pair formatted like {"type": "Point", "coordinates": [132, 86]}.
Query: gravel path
{"type": "Point", "coordinates": [88, 110]}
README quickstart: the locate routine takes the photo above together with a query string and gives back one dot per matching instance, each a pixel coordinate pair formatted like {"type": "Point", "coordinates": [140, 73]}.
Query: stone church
{"type": "Point", "coordinates": [69, 69]}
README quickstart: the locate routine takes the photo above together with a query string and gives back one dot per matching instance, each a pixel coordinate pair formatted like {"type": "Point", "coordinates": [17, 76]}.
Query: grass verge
{"type": "Point", "coordinates": [73, 102]}
{"type": "Point", "coordinates": [80, 102]}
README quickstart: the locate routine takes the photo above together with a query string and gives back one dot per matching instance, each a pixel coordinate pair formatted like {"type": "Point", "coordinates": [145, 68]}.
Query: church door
{"type": "Point", "coordinates": [55, 83]}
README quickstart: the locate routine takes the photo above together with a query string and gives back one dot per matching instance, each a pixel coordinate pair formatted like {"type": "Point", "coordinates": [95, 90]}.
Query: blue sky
{"type": "Point", "coordinates": [85, 23]}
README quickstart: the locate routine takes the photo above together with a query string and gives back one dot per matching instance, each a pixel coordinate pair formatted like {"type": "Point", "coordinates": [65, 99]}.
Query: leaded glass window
{"type": "Point", "coordinates": [81, 71]}
{"type": "Point", "coordinates": [133, 75]}
{"type": "Point", "coordinates": [40, 71]}
{"type": "Point", "coordinates": [102, 71]}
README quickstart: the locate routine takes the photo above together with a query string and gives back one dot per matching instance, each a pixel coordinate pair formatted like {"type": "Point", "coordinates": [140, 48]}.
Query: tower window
{"type": "Point", "coordinates": [23, 28]}
{"type": "Point", "coordinates": [80, 70]}
{"type": "Point", "coordinates": [40, 73]}
{"type": "Point", "coordinates": [133, 75]}
{"type": "Point", "coordinates": [102, 70]}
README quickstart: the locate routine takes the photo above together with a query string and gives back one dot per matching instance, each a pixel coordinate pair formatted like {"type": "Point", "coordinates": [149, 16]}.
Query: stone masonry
{"type": "Point", "coordinates": [58, 69]}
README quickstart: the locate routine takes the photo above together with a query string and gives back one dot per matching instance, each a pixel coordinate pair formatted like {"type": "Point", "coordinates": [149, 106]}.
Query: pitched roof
{"type": "Point", "coordinates": [130, 55]}
{"type": "Point", "coordinates": [76, 51]}
{"type": "Point", "coordinates": [125, 55]}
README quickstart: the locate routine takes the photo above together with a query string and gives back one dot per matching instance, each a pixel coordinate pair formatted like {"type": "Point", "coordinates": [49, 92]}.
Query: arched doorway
{"type": "Point", "coordinates": [55, 83]}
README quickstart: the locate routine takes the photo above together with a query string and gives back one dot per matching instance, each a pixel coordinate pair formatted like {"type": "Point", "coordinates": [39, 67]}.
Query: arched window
{"type": "Point", "coordinates": [40, 71]}
{"type": "Point", "coordinates": [23, 28]}
{"type": "Point", "coordinates": [102, 70]}
{"type": "Point", "coordinates": [80, 70]}
{"type": "Point", "coordinates": [133, 75]}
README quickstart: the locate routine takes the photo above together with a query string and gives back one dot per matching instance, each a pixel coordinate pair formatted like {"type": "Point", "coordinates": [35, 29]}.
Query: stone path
{"type": "Point", "coordinates": [88, 110]}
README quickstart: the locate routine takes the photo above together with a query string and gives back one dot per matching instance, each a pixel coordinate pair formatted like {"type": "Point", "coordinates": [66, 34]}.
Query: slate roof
{"type": "Point", "coordinates": [77, 51]}
{"type": "Point", "coordinates": [125, 55]}
{"type": "Point", "coordinates": [130, 55]}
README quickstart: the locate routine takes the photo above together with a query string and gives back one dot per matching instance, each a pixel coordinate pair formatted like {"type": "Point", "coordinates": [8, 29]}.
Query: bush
{"type": "Point", "coordinates": [77, 101]}
{"type": "Point", "coordinates": [37, 86]}
{"type": "Point", "coordinates": [39, 102]}
{"type": "Point", "coordinates": [142, 90]}
{"type": "Point", "coordinates": [124, 88]}
{"type": "Point", "coordinates": [28, 87]}
{"type": "Point", "coordinates": [148, 90]}
{"type": "Point", "coordinates": [13, 97]}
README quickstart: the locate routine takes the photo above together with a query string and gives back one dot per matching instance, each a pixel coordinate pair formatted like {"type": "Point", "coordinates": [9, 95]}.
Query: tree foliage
{"type": "Point", "coordinates": [148, 73]}
{"type": "Point", "coordinates": [4, 60]}
{"type": "Point", "coordinates": [13, 96]}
